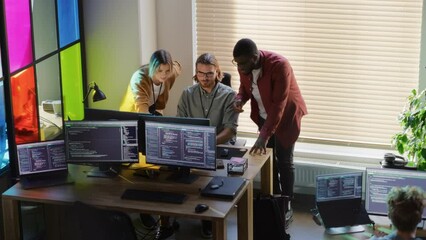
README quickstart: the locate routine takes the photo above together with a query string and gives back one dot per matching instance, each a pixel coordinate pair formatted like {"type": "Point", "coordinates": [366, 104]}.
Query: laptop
{"type": "Point", "coordinates": [223, 187]}
{"type": "Point", "coordinates": [339, 202]}
{"type": "Point", "coordinates": [43, 164]}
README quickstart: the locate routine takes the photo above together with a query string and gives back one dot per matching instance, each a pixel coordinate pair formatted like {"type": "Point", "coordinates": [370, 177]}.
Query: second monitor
{"type": "Point", "coordinates": [167, 141]}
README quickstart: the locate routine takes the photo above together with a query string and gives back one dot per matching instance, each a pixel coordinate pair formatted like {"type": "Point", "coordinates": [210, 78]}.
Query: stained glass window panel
{"type": "Point", "coordinates": [24, 106]}
{"type": "Point", "coordinates": [72, 83]}
{"type": "Point", "coordinates": [69, 30]}
{"type": "Point", "coordinates": [44, 27]}
{"type": "Point", "coordinates": [49, 96]}
{"type": "Point", "coordinates": [4, 153]}
{"type": "Point", "coordinates": [18, 27]}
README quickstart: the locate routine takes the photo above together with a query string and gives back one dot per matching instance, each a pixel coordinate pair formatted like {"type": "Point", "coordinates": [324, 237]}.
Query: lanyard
{"type": "Point", "coordinates": [211, 103]}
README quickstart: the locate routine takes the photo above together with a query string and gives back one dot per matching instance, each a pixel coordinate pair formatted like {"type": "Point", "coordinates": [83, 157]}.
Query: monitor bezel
{"type": "Point", "coordinates": [164, 119]}
{"type": "Point", "coordinates": [97, 161]}
{"type": "Point", "coordinates": [388, 171]}
{"type": "Point", "coordinates": [338, 174]}
{"type": "Point", "coordinates": [42, 143]}
{"type": "Point", "coordinates": [183, 127]}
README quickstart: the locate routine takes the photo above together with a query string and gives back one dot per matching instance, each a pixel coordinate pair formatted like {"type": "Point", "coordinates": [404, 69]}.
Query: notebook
{"type": "Point", "coordinates": [42, 164]}
{"type": "Point", "coordinates": [339, 199]}
{"type": "Point", "coordinates": [224, 187]}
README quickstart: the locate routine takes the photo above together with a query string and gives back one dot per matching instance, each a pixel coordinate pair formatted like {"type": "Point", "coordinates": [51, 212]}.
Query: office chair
{"type": "Point", "coordinates": [226, 79]}
{"type": "Point", "coordinates": [95, 223]}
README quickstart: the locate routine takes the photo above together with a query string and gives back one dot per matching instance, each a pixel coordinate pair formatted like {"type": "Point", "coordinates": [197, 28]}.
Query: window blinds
{"type": "Point", "coordinates": [355, 61]}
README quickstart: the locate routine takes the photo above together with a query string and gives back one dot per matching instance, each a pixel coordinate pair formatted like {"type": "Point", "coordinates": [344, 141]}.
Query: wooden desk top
{"type": "Point", "coordinates": [106, 192]}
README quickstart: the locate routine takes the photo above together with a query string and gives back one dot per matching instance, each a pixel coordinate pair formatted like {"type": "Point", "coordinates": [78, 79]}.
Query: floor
{"type": "Point", "coordinates": [302, 228]}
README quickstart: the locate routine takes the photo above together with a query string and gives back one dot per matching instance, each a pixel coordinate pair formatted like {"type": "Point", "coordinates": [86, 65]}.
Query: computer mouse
{"type": "Point", "coordinates": [214, 186]}
{"type": "Point", "coordinates": [201, 208]}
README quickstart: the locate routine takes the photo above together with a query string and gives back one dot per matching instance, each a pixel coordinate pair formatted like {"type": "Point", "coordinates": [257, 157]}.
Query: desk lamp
{"type": "Point", "coordinates": [97, 96]}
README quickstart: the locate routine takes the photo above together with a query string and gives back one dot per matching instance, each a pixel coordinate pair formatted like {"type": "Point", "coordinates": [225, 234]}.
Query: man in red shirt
{"type": "Point", "coordinates": [277, 107]}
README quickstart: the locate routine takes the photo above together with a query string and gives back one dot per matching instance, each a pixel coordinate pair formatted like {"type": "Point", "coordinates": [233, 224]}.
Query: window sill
{"type": "Point", "coordinates": [333, 154]}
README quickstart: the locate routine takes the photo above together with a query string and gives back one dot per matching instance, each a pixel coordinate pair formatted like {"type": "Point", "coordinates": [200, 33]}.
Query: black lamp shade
{"type": "Point", "coordinates": [98, 95]}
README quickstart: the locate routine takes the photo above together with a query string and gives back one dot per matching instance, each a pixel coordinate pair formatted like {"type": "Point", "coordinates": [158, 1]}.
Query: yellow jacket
{"type": "Point", "coordinates": [139, 92]}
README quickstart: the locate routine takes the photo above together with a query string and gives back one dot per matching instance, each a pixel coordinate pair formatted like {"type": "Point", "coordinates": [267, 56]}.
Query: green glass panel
{"type": "Point", "coordinates": [72, 83]}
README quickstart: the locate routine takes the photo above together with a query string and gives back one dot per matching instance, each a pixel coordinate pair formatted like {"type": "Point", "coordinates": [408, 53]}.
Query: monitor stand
{"type": "Point", "coordinates": [105, 170]}
{"type": "Point", "coordinates": [182, 175]}
{"type": "Point", "coordinates": [343, 230]}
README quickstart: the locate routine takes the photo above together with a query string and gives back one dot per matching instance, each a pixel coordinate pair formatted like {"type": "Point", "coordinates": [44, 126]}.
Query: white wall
{"type": "Point", "coordinates": [113, 48]}
{"type": "Point", "coordinates": [175, 33]}
{"type": "Point", "coordinates": [121, 35]}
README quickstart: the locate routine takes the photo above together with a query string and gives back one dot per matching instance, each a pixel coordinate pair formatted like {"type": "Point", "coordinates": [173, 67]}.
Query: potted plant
{"type": "Point", "coordinates": [411, 141]}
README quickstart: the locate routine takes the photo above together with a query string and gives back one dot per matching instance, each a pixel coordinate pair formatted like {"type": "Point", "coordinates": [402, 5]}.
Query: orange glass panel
{"type": "Point", "coordinates": [25, 106]}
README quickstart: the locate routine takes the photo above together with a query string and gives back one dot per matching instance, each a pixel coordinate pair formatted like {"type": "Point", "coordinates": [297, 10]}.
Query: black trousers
{"type": "Point", "coordinates": [283, 166]}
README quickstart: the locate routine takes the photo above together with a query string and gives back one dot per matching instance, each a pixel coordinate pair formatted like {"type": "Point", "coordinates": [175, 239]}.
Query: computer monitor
{"type": "Point", "coordinates": [164, 119]}
{"type": "Point", "coordinates": [379, 181]}
{"type": "Point", "coordinates": [182, 146]}
{"type": "Point", "coordinates": [339, 202]}
{"type": "Point", "coordinates": [107, 144]}
{"type": "Point", "coordinates": [105, 114]}
{"type": "Point", "coordinates": [41, 157]}
{"type": "Point", "coordinates": [339, 186]}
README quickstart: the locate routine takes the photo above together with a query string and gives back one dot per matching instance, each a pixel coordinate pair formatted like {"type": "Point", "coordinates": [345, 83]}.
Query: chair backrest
{"type": "Point", "coordinates": [95, 223]}
{"type": "Point", "coordinates": [226, 79]}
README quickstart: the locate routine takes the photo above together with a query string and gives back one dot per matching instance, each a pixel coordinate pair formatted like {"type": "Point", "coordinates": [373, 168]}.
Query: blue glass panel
{"type": "Point", "coordinates": [4, 153]}
{"type": "Point", "coordinates": [69, 30]}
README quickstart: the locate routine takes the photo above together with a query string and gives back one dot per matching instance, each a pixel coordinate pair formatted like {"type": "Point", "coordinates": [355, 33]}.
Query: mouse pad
{"type": "Point", "coordinates": [232, 152]}
{"type": "Point", "coordinates": [228, 187]}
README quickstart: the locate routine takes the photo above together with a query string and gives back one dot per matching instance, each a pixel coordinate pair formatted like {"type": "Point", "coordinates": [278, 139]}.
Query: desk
{"type": "Point", "coordinates": [105, 193]}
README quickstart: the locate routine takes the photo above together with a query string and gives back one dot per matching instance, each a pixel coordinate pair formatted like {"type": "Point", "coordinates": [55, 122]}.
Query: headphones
{"type": "Point", "coordinates": [393, 161]}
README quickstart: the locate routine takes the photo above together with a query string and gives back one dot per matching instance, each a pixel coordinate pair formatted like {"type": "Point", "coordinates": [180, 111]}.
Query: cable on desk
{"type": "Point", "coordinates": [121, 176]}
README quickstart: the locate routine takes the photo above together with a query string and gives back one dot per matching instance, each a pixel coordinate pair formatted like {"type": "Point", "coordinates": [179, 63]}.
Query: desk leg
{"type": "Point", "coordinates": [245, 215]}
{"type": "Point", "coordinates": [11, 217]}
{"type": "Point", "coordinates": [219, 229]}
{"type": "Point", "coordinates": [266, 176]}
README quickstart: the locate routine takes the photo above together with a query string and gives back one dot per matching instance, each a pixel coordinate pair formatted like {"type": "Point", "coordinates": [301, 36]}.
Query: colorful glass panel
{"type": "Point", "coordinates": [24, 106]}
{"type": "Point", "coordinates": [18, 27]}
{"type": "Point", "coordinates": [44, 27]}
{"type": "Point", "coordinates": [49, 95]}
{"type": "Point", "coordinates": [69, 30]}
{"type": "Point", "coordinates": [4, 153]}
{"type": "Point", "coordinates": [72, 83]}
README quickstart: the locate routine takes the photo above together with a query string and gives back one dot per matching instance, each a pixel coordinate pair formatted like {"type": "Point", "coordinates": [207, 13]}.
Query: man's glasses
{"type": "Point", "coordinates": [205, 74]}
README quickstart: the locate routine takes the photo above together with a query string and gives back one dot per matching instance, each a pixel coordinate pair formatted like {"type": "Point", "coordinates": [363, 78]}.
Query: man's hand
{"type": "Point", "coordinates": [238, 106]}
{"type": "Point", "coordinates": [259, 146]}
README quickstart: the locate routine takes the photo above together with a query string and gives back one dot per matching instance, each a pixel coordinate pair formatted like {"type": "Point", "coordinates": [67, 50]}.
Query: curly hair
{"type": "Point", "coordinates": [245, 47]}
{"type": "Point", "coordinates": [405, 207]}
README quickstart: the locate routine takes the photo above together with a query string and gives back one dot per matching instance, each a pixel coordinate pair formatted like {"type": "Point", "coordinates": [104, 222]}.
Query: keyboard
{"type": "Point", "coordinates": [153, 196]}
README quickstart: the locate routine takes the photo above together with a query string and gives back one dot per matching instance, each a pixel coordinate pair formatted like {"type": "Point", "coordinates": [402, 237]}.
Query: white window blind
{"type": "Point", "coordinates": [355, 61]}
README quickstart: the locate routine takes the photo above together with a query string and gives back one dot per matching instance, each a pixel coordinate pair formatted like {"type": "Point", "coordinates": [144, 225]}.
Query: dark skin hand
{"type": "Point", "coordinates": [259, 146]}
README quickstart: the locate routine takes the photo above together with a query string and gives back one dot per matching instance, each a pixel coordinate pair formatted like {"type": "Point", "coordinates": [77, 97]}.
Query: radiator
{"type": "Point", "coordinates": [305, 174]}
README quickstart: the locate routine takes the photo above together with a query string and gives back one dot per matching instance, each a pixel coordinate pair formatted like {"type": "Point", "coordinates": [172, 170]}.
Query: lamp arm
{"type": "Point", "coordinates": [87, 94]}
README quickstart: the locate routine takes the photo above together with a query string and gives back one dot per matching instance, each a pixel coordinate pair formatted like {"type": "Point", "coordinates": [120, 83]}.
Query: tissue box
{"type": "Point", "coordinates": [237, 165]}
